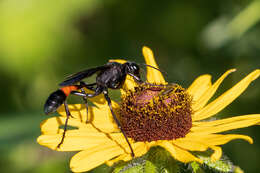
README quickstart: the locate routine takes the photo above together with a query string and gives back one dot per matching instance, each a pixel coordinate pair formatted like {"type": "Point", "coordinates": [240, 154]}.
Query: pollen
{"type": "Point", "coordinates": [151, 112]}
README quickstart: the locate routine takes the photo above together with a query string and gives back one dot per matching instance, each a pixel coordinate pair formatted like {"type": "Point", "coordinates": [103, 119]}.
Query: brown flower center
{"type": "Point", "coordinates": [151, 113]}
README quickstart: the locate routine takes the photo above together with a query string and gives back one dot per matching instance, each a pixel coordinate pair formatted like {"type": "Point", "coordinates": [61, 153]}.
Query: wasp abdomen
{"type": "Point", "coordinates": [54, 101]}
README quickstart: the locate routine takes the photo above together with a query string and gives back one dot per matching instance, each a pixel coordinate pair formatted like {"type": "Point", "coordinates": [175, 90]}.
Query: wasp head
{"type": "Point", "coordinates": [133, 69]}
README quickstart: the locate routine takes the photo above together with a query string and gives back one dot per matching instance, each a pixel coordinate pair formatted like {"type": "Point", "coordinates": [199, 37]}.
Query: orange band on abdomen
{"type": "Point", "coordinates": [67, 89]}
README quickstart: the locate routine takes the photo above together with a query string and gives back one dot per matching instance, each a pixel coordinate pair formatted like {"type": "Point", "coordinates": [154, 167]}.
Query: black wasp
{"type": "Point", "coordinates": [109, 76]}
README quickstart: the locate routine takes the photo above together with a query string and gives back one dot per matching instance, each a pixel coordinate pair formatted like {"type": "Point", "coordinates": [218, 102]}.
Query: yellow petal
{"type": "Point", "coordinates": [98, 100]}
{"type": "Point", "coordinates": [225, 124]}
{"type": "Point", "coordinates": [129, 82]}
{"type": "Point", "coordinates": [225, 99]}
{"type": "Point", "coordinates": [190, 145]}
{"type": "Point", "coordinates": [93, 157]}
{"type": "Point", "coordinates": [52, 125]}
{"type": "Point", "coordinates": [178, 153]}
{"type": "Point", "coordinates": [86, 135]}
{"type": "Point", "coordinates": [115, 160]}
{"type": "Point", "coordinates": [78, 111]}
{"type": "Point", "coordinates": [201, 102]}
{"type": "Point", "coordinates": [101, 117]}
{"type": "Point", "coordinates": [199, 86]}
{"type": "Point", "coordinates": [217, 153]}
{"type": "Point", "coordinates": [216, 139]}
{"type": "Point", "coordinates": [153, 75]}
{"type": "Point", "coordinates": [196, 145]}
{"type": "Point", "coordinates": [226, 120]}
{"type": "Point", "coordinates": [140, 148]}
{"type": "Point", "coordinates": [121, 61]}
{"type": "Point", "coordinates": [74, 140]}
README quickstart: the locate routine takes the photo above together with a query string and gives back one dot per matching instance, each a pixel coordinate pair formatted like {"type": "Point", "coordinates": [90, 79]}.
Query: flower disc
{"type": "Point", "coordinates": [151, 113]}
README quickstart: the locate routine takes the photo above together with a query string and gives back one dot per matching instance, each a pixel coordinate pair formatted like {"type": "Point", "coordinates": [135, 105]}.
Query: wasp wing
{"type": "Point", "coordinates": [77, 77]}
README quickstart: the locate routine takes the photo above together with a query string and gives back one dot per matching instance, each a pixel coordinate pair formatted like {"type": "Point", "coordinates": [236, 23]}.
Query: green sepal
{"type": "Point", "coordinates": [196, 167]}
{"type": "Point", "coordinates": [223, 165]}
{"type": "Point", "coordinates": [157, 160]}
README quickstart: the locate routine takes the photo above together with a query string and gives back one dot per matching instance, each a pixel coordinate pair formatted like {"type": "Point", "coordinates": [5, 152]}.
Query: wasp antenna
{"type": "Point", "coordinates": [155, 68]}
{"type": "Point", "coordinates": [153, 84]}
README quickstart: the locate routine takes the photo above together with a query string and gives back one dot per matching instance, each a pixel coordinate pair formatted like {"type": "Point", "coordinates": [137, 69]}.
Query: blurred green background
{"type": "Point", "coordinates": [42, 41]}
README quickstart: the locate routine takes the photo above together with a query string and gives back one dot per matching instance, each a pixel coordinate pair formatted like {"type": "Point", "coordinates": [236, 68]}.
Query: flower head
{"type": "Point", "coordinates": [152, 113]}
{"type": "Point", "coordinates": [165, 115]}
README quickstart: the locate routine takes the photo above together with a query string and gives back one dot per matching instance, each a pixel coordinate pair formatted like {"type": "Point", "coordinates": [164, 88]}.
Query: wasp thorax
{"type": "Point", "coordinates": [151, 113]}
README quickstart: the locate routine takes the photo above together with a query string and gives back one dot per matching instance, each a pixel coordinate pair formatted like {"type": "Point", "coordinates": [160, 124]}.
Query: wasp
{"type": "Point", "coordinates": [112, 75]}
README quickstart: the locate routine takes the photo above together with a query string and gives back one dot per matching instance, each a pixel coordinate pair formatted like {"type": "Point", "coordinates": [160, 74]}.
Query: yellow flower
{"type": "Point", "coordinates": [101, 142]}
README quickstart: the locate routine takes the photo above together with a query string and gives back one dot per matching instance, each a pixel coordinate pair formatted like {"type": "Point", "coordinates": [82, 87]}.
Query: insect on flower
{"type": "Point", "coordinates": [165, 115]}
{"type": "Point", "coordinates": [111, 75]}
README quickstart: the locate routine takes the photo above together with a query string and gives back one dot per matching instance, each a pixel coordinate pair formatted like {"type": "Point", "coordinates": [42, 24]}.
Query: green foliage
{"type": "Point", "coordinates": [226, 29]}
{"type": "Point", "coordinates": [33, 32]}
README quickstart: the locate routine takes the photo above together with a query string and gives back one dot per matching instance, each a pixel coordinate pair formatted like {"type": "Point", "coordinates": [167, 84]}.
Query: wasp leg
{"type": "Point", "coordinates": [88, 86]}
{"type": "Point", "coordinates": [84, 95]}
{"type": "Point", "coordinates": [66, 123]}
{"type": "Point", "coordinates": [137, 79]}
{"type": "Point", "coordinates": [105, 92]}
{"type": "Point", "coordinates": [98, 91]}
{"type": "Point", "coordinates": [86, 102]}
{"type": "Point", "coordinates": [168, 89]}
{"type": "Point", "coordinates": [154, 84]}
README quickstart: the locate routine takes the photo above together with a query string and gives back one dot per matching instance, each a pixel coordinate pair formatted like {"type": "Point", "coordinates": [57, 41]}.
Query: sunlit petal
{"type": "Point", "coordinates": [199, 86]}
{"type": "Point", "coordinates": [98, 100]}
{"type": "Point", "coordinates": [78, 111]}
{"type": "Point", "coordinates": [216, 139]}
{"type": "Point", "coordinates": [121, 157]}
{"type": "Point", "coordinates": [91, 158]}
{"type": "Point", "coordinates": [121, 61]}
{"type": "Point", "coordinates": [178, 153]}
{"type": "Point", "coordinates": [101, 117]}
{"type": "Point", "coordinates": [52, 125]}
{"type": "Point", "coordinates": [75, 140]}
{"type": "Point", "coordinates": [225, 99]}
{"type": "Point", "coordinates": [225, 124]}
{"type": "Point", "coordinates": [153, 75]}
{"type": "Point", "coordinates": [202, 101]}
{"type": "Point", "coordinates": [190, 144]}
{"type": "Point", "coordinates": [198, 145]}
{"type": "Point", "coordinates": [140, 148]}
{"type": "Point", "coordinates": [129, 84]}
{"type": "Point", "coordinates": [217, 153]}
